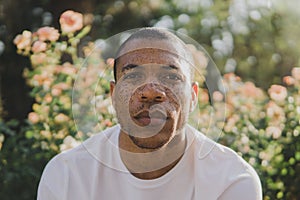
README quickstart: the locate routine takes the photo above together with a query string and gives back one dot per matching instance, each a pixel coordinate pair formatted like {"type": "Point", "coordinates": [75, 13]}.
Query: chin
{"type": "Point", "coordinates": [154, 142]}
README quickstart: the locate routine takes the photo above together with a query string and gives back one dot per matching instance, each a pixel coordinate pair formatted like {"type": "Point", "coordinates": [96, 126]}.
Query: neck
{"type": "Point", "coordinates": [151, 163]}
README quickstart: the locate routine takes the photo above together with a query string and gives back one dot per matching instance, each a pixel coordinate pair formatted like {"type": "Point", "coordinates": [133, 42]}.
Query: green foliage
{"type": "Point", "coordinates": [265, 131]}
{"type": "Point", "coordinates": [49, 128]}
{"type": "Point", "coordinates": [21, 163]}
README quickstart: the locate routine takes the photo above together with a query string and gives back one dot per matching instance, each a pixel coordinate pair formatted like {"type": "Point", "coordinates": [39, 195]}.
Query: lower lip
{"type": "Point", "coordinates": [151, 121]}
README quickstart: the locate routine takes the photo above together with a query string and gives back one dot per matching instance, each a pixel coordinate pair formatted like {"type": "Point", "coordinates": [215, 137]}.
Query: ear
{"type": "Point", "coordinates": [194, 93]}
{"type": "Point", "coordinates": [112, 88]}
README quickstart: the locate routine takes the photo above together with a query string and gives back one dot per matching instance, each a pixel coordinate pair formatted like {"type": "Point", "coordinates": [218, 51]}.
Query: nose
{"type": "Point", "coordinates": [151, 92]}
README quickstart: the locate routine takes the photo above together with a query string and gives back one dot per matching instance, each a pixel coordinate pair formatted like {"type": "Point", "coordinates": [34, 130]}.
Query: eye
{"type": "Point", "coordinates": [173, 77]}
{"type": "Point", "coordinates": [131, 76]}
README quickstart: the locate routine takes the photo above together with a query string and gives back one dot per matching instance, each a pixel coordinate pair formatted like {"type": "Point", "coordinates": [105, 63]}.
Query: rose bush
{"type": "Point", "coordinates": [55, 63]}
{"type": "Point", "coordinates": [262, 126]}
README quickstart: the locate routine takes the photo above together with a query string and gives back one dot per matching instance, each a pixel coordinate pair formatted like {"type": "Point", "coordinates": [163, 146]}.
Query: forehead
{"type": "Point", "coordinates": [148, 56]}
{"type": "Point", "coordinates": [176, 47]}
{"type": "Point", "coordinates": [145, 51]}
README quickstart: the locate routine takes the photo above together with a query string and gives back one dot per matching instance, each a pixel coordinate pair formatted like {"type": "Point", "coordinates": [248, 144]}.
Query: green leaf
{"type": "Point", "coordinates": [284, 172]}
{"type": "Point", "coordinates": [292, 161]}
{"type": "Point", "coordinates": [297, 155]}
{"type": "Point", "coordinates": [279, 195]}
{"type": "Point", "coordinates": [29, 134]}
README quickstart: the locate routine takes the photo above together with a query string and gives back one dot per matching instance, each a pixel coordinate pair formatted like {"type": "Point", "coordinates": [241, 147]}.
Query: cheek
{"type": "Point", "coordinates": [184, 99]}
{"type": "Point", "coordinates": [135, 103]}
{"type": "Point", "coordinates": [174, 102]}
{"type": "Point", "coordinates": [180, 94]}
{"type": "Point", "coordinates": [173, 99]}
{"type": "Point", "coordinates": [122, 93]}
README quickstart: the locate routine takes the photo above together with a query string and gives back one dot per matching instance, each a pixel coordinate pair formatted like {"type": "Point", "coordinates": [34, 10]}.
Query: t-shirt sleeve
{"type": "Point", "coordinates": [44, 192]}
{"type": "Point", "coordinates": [53, 181]}
{"type": "Point", "coordinates": [247, 187]}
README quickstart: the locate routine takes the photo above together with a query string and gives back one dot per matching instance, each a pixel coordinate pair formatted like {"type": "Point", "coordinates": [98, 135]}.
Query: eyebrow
{"type": "Point", "coordinates": [132, 66]}
{"type": "Point", "coordinates": [170, 67]}
{"type": "Point", "coordinates": [129, 66]}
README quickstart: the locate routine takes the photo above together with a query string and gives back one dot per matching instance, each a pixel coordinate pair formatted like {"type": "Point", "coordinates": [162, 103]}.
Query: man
{"type": "Point", "coordinates": [153, 153]}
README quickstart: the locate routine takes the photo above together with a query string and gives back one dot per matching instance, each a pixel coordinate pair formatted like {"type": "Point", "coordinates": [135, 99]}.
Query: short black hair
{"type": "Point", "coordinates": [151, 33]}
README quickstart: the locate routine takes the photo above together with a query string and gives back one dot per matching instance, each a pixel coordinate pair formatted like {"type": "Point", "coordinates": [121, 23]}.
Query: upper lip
{"type": "Point", "coordinates": [151, 114]}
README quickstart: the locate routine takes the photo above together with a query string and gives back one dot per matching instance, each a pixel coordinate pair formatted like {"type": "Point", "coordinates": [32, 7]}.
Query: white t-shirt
{"type": "Point", "coordinates": [94, 170]}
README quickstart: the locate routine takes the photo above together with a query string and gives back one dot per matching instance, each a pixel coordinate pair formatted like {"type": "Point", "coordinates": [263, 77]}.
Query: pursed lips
{"type": "Point", "coordinates": [151, 117]}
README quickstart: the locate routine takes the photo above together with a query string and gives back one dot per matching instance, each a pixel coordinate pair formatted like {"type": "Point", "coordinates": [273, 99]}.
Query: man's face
{"type": "Point", "coordinates": [153, 93]}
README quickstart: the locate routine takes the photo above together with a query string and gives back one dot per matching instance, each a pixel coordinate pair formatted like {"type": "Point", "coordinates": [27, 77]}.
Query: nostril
{"type": "Point", "coordinates": [151, 92]}
{"type": "Point", "coordinates": [160, 98]}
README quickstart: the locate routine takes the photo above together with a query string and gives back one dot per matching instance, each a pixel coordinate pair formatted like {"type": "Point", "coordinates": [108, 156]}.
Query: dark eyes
{"type": "Point", "coordinates": [173, 77]}
{"type": "Point", "coordinates": [131, 76]}
{"type": "Point", "coordinates": [163, 77]}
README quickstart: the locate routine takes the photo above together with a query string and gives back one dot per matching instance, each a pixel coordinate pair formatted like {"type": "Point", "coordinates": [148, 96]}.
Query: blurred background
{"type": "Point", "coordinates": [257, 40]}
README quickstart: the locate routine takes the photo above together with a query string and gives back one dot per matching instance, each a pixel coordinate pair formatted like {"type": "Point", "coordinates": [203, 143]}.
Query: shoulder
{"type": "Point", "coordinates": [225, 172]}
{"type": "Point", "coordinates": [65, 166]}
{"type": "Point", "coordinates": [85, 150]}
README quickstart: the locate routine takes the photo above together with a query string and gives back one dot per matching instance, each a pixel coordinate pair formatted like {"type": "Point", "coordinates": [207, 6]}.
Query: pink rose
{"type": "Point", "coordinates": [68, 68]}
{"type": "Point", "coordinates": [289, 80]}
{"type": "Point", "coordinates": [46, 134]}
{"type": "Point", "coordinates": [42, 79]}
{"type": "Point", "coordinates": [48, 98]}
{"type": "Point", "coordinates": [39, 46]}
{"type": "Point", "coordinates": [250, 90]}
{"type": "Point", "coordinates": [204, 97]}
{"type": "Point", "coordinates": [231, 77]}
{"type": "Point", "coordinates": [69, 143]}
{"type": "Point", "coordinates": [58, 88]}
{"type": "Point", "coordinates": [33, 117]}
{"type": "Point", "coordinates": [61, 118]}
{"type": "Point", "coordinates": [110, 62]}
{"type": "Point", "coordinates": [56, 91]}
{"type": "Point", "coordinates": [71, 21]}
{"type": "Point", "coordinates": [296, 73]}
{"type": "Point", "coordinates": [277, 92]}
{"type": "Point", "coordinates": [275, 113]}
{"type": "Point", "coordinates": [62, 86]}
{"type": "Point", "coordinates": [24, 40]}
{"type": "Point", "coordinates": [217, 96]}
{"type": "Point", "coordinates": [48, 33]}
{"type": "Point", "coordinates": [38, 59]}
{"type": "Point", "coordinates": [273, 131]}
